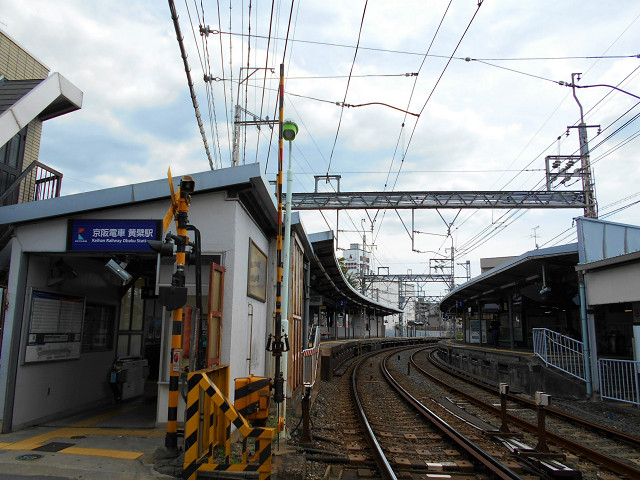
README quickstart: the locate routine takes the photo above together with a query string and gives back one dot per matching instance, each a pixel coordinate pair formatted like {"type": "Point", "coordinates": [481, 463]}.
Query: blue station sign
{"type": "Point", "coordinates": [112, 235]}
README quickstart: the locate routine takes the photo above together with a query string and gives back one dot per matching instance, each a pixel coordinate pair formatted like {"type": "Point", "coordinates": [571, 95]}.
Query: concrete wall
{"type": "Point", "coordinates": [45, 389]}
{"type": "Point", "coordinates": [226, 228]}
{"type": "Point", "coordinates": [525, 373]}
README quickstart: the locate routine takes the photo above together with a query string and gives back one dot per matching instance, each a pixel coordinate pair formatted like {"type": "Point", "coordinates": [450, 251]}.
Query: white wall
{"type": "Point", "coordinates": [226, 227]}
{"type": "Point", "coordinates": [50, 388]}
{"type": "Point", "coordinates": [45, 389]}
{"type": "Point", "coordinates": [613, 285]}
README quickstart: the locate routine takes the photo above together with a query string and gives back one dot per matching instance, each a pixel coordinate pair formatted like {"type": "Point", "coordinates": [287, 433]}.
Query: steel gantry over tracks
{"type": "Point", "coordinates": [415, 200]}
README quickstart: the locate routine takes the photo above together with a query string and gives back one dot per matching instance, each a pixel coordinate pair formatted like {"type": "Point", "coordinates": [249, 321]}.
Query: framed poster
{"type": "Point", "coordinates": [55, 327]}
{"type": "Point", "coordinates": [257, 274]}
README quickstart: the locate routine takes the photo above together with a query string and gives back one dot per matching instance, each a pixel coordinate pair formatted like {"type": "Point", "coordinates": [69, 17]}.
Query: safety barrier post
{"type": "Point", "coordinates": [542, 400]}
{"type": "Point", "coordinates": [504, 391]}
{"type": "Point", "coordinates": [206, 403]}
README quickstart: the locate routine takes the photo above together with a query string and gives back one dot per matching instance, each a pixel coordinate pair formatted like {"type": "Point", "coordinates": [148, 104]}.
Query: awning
{"type": "Point", "coordinates": [518, 272]}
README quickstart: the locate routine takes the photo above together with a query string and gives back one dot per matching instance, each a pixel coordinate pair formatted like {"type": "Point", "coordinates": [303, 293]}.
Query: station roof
{"type": "Point", "coordinates": [328, 280]}
{"type": "Point", "coordinates": [243, 182]}
{"type": "Point", "coordinates": [519, 271]}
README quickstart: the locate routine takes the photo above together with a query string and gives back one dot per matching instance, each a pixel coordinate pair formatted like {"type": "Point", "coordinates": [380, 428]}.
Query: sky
{"type": "Point", "coordinates": [438, 96]}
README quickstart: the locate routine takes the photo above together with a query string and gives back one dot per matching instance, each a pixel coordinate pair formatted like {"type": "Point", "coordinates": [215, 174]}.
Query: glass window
{"type": "Point", "coordinates": [97, 330]}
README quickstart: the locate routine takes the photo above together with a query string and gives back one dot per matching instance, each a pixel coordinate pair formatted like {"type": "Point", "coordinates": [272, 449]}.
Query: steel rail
{"type": "Point", "coordinates": [383, 463]}
{"type": "Point", "coordinates": [495, 466]}
{"type": "Point", "coordinates": [610, 463]}
{"type": "Point", "coordinates": [600, 429]}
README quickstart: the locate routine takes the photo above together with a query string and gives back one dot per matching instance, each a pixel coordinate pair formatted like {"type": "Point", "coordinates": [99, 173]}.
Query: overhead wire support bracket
{"type": "Point", "coordinates": [424, 200]}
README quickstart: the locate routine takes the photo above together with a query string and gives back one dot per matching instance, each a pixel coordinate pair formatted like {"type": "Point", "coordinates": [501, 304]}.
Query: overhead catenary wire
{"type": "Point", "coordinates": [222, 65]}
{"type": "Point", "coordinates": [206, 68]}
{"type": "Point", "coordinates": [413, 88]}
{"type": "Point", "coordinates": [406, 149]}
{"type": "Point", "coordinates": [464, 59]}
{"type": "Point", "coordinates": [346, 91]}
{"type": "Point", "coordinates": [295, 41]}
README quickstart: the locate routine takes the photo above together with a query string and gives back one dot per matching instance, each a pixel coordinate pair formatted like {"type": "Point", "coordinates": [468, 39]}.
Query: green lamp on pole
{"type": "Point", "coordinates": [289, 132]}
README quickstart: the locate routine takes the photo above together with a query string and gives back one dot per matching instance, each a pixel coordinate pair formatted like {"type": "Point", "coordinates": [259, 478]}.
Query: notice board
{"type": "Point", "coordinates": [55, 327]}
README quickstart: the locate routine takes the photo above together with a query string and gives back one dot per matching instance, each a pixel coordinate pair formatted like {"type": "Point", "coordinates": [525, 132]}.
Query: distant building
{"type": "Point", "coordinates": [487, 264]}
{"type": "Point", "coordinates": [357, 260]}
{"type": "Point", "coordinates": [28, 97]}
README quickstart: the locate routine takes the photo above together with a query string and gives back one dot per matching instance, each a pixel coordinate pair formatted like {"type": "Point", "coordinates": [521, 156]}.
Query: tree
{"type": "Point", "coordinates": [353, 280]}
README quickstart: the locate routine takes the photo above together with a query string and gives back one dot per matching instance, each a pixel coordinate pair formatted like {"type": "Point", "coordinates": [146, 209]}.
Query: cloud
{"type": "Point", "coordinates": [484, 126]}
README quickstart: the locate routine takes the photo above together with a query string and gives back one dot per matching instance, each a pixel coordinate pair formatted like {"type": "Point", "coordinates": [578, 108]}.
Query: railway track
{"type": "Point", "coordinates": [410, 447]}
{"type": "Point", "coordinates": [407, 438]}
{"type": "Point", "coordinates": [594, 448]}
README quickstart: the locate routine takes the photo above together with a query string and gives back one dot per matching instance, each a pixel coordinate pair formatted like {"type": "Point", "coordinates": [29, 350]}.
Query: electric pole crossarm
{"type": "Point", "coordinates": [410, 200]}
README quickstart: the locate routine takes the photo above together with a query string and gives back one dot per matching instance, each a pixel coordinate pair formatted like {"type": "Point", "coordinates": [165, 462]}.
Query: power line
{"type": "Point", "coordinates": [355, 54]}
{"type": "Point", "coordinates": [420, 54]}
{"type": "Point", "coordinates": [176, 24]}
{"type": "Point", "coordinates": [413, 88]}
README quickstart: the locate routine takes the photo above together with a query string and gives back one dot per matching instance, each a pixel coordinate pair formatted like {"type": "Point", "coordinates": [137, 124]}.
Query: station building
{"type": "Point", "coordinates": [69, 316]}
{"type": "Point", "coordinates": [79, 285]}
{"type": "Point", "coordinates": [587, 292]}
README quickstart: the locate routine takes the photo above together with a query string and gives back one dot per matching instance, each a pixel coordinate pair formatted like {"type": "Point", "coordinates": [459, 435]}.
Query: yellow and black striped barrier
{"type": "Point", "coordinates": [206, 405]}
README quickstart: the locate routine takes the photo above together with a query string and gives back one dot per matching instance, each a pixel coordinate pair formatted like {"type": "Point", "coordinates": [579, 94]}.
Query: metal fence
{"type": "Point", "coordinates": [310, 357]}
{"type": "Point", "coordinates": [619, 380]}
{"type": "Point", "coordinates": [420, 333]}
{"type": "Point", "coordinates": [562, 352]}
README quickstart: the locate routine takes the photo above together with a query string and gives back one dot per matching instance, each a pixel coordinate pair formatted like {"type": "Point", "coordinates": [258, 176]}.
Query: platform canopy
{"type": "Point", "coordinates": [327, 280]}
{"type": "Point", "coordinates": [525, 273]}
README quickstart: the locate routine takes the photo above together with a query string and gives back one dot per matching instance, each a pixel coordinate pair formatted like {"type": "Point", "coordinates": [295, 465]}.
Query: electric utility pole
{"type": "Point", "coordinates": [588, 186]}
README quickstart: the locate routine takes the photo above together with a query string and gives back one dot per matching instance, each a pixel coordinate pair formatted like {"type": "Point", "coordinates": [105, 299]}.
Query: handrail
{"type": "Point", "coordinates": [560, 351]}
{"type": "Point", "coordinates": [40, 182]}
{"type": "Point", "coordinates": [620, 380]}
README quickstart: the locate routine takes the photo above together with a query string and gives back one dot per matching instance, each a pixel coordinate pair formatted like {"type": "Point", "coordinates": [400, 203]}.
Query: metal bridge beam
{"type": "Point", "coordinates": [412, 200]}
{"type": "Point", "coordinates": [407, 277]}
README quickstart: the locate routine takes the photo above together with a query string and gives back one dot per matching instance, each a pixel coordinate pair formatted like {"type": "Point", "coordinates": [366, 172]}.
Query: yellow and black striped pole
{"type": "Point", "coordinates": [277, 348]}
{"type": "Point", "coordinates": [187, 186]}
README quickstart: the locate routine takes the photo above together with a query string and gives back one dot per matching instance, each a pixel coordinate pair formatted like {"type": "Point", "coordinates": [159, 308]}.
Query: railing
{"type": "Point", "coordinates": [36, 182]}
{"type": "Point", "coordinates": [619, 380]}
{"type": "Point", "coordinates": [562, 352]}
{"type": "Point", "coordinates": [310, 358]}
{"type": "Point", "coordinates": [393, 333]}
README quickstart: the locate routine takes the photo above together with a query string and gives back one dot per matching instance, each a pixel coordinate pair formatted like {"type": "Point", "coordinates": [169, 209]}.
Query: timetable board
{"type": "Point", "coordinates": [55, 327]}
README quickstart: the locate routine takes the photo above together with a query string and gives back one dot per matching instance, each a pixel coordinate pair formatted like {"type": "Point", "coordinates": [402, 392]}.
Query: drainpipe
{"type": "Point", "coordinates": [585, 332]}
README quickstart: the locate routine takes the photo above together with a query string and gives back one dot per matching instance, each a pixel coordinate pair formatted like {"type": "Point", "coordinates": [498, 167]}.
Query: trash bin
{"type": "Point", "coordinates": [128, 376]}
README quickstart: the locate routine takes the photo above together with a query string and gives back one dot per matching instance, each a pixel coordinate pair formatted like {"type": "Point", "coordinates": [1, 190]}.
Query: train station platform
{"type": "Point", "coordinates": [520, 368]}
{"type": "Point", "coordinates": [118, 442]}
{"type": "Point", "coordinates": [122, 441]}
